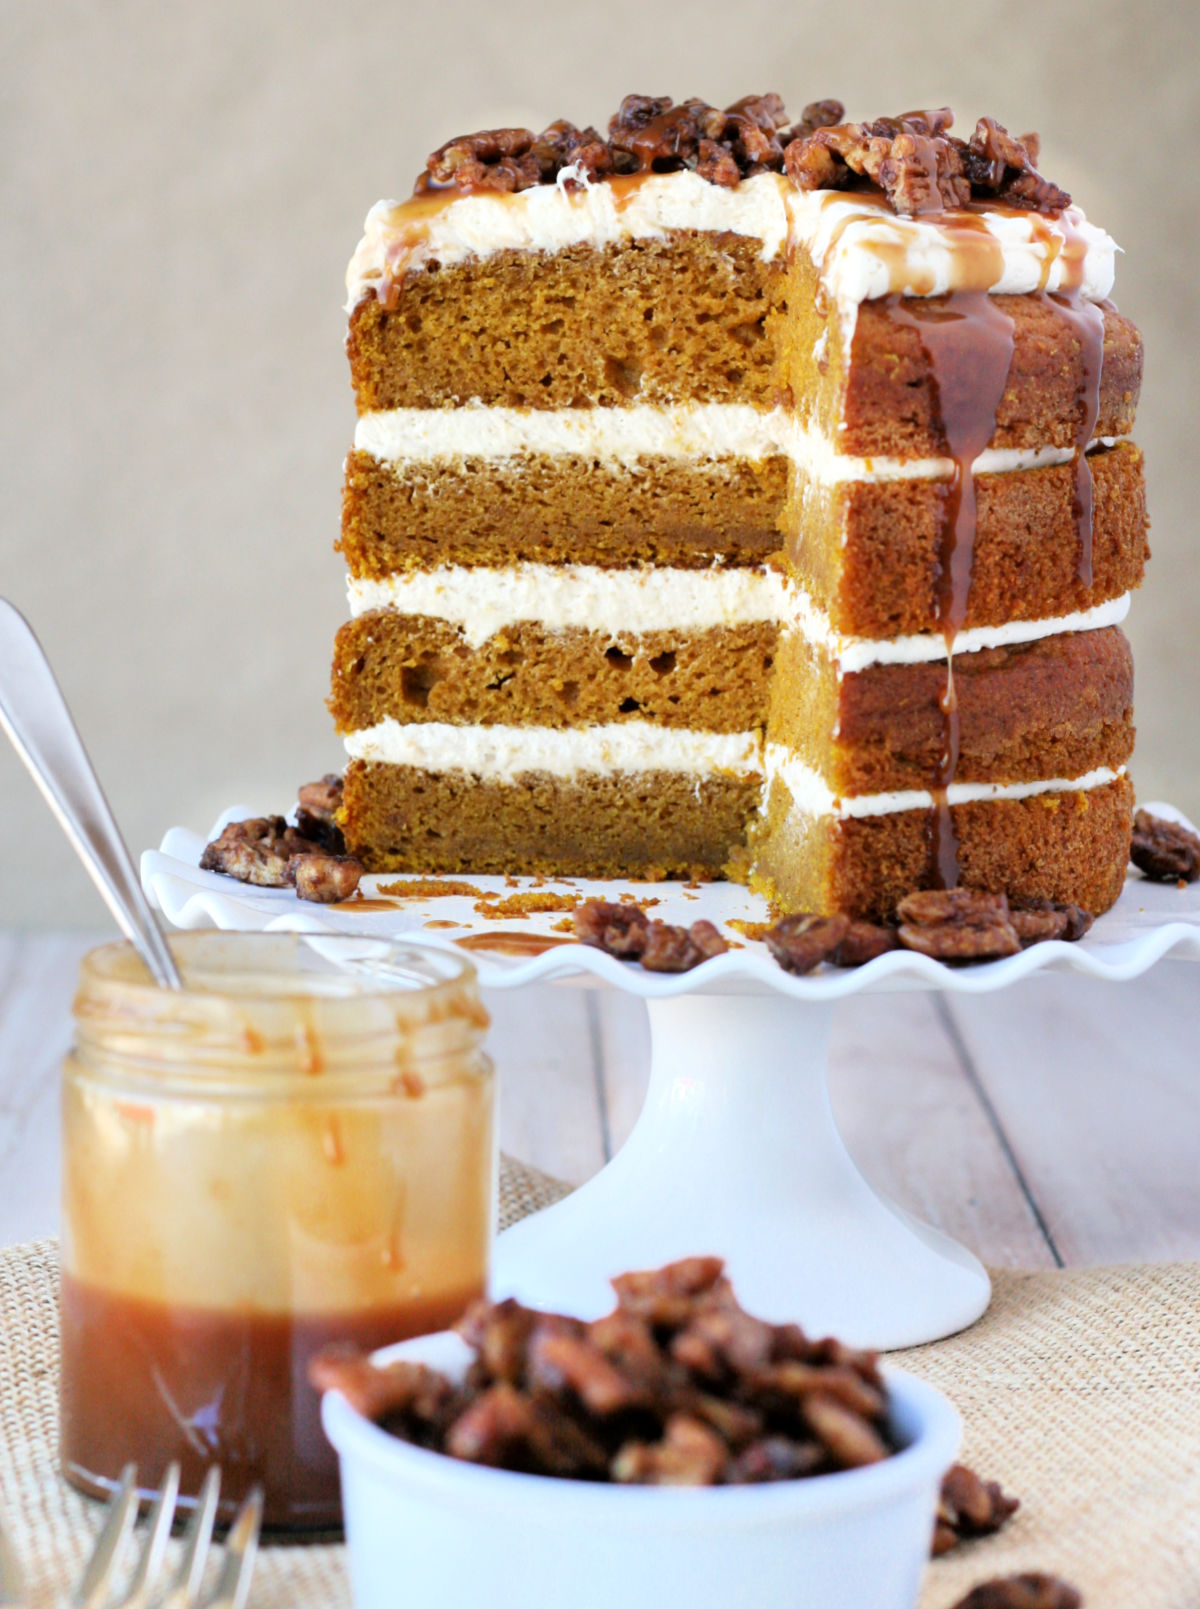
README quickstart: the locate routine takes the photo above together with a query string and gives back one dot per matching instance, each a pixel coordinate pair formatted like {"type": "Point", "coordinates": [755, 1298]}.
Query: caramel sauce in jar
{"type": "Point", "coordinates": [248, 1176]}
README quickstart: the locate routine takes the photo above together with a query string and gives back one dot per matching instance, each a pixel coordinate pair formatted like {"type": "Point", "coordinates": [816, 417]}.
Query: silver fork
{"type": "Point", "coordinates": [97, 1587]}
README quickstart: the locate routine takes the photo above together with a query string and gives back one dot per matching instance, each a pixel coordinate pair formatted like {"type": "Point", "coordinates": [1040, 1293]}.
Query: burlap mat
{"type": "Point", "coordinates": [1080, 1392]}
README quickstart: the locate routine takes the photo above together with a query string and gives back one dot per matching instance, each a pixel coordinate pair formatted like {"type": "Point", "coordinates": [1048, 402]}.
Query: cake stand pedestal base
{"type": "Point", "coordinates": [736, 1153]}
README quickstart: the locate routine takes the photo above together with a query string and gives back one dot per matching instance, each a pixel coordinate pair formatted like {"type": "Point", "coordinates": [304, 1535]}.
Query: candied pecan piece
{"type": "Point", "coordinates": [850, 1440]}
{"type": "Point", "coordinates": [775, 1458]}
{"type": "Point", "coordinates": [317, 805]}
{"type": "Point", "coordinates": [718, 164]}
{"type": "Point", "coordinates": [818, 114]}
{"type": "Point", "coordinates": [863, 942]}
{"type": "Point", "coordinates": [796, 1380]}
{"type": "Point", "coordinates": [801, 942]}
{"type": "Point", "coordinates": [494, 1429]}
{"type": "Point", "coordinates": [723, 1340]}
{"type": "Point", "coordinates": [1036, 920]}
{"type": "Point", "coordinates": [666, 1296]}
{"type": "Point", "coordinates": [679, 949]}
{"type": "Point", "coordinates": [498, 1332]}
{"type": "Point", "coordinates": [1029, 1591]}
{"type": "Point", "coordinates": [559, 1360]}
{"type": "Point", "coordinates": [380, 1393]}
{"type": "Point", "coordinates": [492, 159]}
{"type": "Point", "coordinates": [324, 878]}
{"type": "Point", "coordinates": [1164, 851]}
{"type": "Point", "coordinates": [654, 133]}
{"type": "Point", "coordinates": [957, 924]}
{"type": "Point", "coordinates": [256, 851]}
{"type": "Point", "coordinates": [969, 1507]}
{"type": "Point", "coordinates": [690, 1454]}
{"type": "Point", "coordinates": [998, 161]}
{"type": "Point", "coordinates": [619, 930]}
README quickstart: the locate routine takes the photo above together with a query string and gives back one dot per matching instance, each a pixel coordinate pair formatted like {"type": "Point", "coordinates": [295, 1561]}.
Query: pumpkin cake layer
{"type": "Point", "coordinates": [417, 668]}
{"type": "Point", "coordinates": [647, 824]}
{"type": "Point", "coordinates": [702, 318]}
{"type": "Point", "coordinates": [870, 554]}
{"type": "Point", "coordinates": [1066, 844]}
{"type": "Point", "coordinates": [560, 508]}
{"type": "Point", "coordinates": [1058, 707]}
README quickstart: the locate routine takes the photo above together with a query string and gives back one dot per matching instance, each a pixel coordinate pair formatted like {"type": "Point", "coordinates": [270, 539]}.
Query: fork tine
{"type": "Point", "coordinates": [185, 1588]}
{"type": "Point", "coordinates": [149, 1563]}
{"type": "Point", "coordinates": [98, 1572]}
{"type": "Point", "coordinates": [241, 1547]}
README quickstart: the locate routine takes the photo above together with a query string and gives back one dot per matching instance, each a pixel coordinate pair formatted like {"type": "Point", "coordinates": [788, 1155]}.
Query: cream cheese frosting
{"type": "Point", "coordinates": [560, 597]}
{"type": "Point", "coordinates": [685, 431]}
{"type": "Point", "coordinates": [861, 248]}
{"type": "Point", "coordinates": [812, 796]}
{"type": "Point", "coordinates": [506, 753]}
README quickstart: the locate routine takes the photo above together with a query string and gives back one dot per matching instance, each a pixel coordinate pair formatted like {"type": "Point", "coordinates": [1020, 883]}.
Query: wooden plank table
{"type": "Point", "coordinates": [1051, 1125]}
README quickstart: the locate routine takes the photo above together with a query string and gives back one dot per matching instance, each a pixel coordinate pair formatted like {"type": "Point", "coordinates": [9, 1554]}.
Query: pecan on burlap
{"type": "Point", "coordinates": [1030, 1591]}
{"type": "Point", "coordinates": [969, 1507]}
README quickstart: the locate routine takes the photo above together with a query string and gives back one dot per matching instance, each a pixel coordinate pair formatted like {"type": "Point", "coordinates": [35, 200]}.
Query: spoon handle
{"type": "Point", "coordinates": [34, 714]}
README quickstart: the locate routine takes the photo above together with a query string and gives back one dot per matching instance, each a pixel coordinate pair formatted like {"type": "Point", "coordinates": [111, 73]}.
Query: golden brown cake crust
{"type": "Point", "coordinates": [554, 510]}
{"type": "Point", "coordinates": [870, 555]}
{"type": "Point", "coordinates": [1069, 846]}
{"type": "Point", "coordinates": [1058, 707]}
{"type": "Point", "coordinates": [652, 825]}
{"type": "Point", "coordinates": [414, 668]}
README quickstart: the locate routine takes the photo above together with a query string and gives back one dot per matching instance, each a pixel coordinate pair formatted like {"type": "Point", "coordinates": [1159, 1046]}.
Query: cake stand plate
{"type": "Point", "coordinates": [736, 1151]}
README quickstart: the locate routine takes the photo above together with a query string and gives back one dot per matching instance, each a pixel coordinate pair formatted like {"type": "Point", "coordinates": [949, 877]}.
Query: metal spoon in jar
{"type": "Point", "coordinates": [35, 715]}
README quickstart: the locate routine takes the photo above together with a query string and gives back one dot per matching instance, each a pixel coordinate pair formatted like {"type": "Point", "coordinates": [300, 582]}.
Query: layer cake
{"type": "Point", "coordinates": [737, 498]}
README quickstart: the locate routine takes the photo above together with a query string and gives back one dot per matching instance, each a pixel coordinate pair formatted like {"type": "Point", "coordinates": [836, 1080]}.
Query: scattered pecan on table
{"type": "Point", "coordinates": [627, 932]}
{"type": "Point", "coordinates": [266, 851]}
{"type": "Point", "coordinates": [677, 1386]}
{"type": "Point", "coordinates": [1163, 851]}
{"type": "Point", "coordinates": [1030, 1591]}
{"type": "Point", "coordinates": [969, 1507]}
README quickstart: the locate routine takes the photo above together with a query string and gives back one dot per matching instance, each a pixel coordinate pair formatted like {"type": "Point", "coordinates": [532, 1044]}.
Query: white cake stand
{"type": "Point", "coordinates": [736, 1151]}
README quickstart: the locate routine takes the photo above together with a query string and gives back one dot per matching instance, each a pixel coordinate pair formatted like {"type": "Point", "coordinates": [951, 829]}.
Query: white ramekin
{"type": "Point", "coordinates": [430, 1532]}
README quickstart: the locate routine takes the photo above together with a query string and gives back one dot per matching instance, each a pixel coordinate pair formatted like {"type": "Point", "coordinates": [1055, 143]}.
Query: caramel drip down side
{"type": "Point", "coordinates": [968, 343]}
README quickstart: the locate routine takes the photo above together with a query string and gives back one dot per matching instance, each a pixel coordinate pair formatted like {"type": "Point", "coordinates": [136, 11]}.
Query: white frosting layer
{"type": "Point", "coordinates": [505, 753]}
{"type": "Point", "coordinates": [620, 435]}
{"type": "Point", "coordinates": [617, 602]}
{"type": "Point", "coordinates": [685, 431]}
{"type": "Point", "coordinates": [551, 217]}
{"type": "Point", "coordinates": [811, 794]}
{"type": "Point", "coordinates": [862, 250]}
{"type": "Point", "coordinates": [561, 596]}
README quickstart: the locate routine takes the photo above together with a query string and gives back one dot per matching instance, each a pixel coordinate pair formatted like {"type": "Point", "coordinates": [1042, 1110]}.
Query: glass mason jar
{"type": "Point", "coordinates": [294, 1150]}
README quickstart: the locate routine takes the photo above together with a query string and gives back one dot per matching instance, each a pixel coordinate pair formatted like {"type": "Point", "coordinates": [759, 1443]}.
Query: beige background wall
{"type": "Point", "coordinates": [180, 188]}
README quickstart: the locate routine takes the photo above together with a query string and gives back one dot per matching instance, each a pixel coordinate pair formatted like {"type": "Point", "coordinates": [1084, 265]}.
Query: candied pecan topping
{"type": "Point", "coordinates": [679, 949]}
{"type": "Point", "coordinates": [913, 159]}
{"type": "Point", "coordinates": [1030, 1591]}
{"type": "Point", "coordinates": [619, 930]}
{"type": "Point", "coordinates": [678, 1385]}
{"type": "Point", "coordinates": [1036, 920]}
{"type": "Point", "coordinates": [957, 924]}
{"type": "Point", "coordinates": [969, 1507]}
{"type": "Point", "coordinates": [863, 942]}
{"type": "Point", "coordinates": [801, 942]}
{"type": "Point", "coordinates": [1164, 851]}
